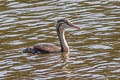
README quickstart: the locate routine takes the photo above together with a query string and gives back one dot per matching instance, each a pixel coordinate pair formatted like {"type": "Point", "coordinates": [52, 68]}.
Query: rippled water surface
{"type": "Point", "coordinates": [95, 49]}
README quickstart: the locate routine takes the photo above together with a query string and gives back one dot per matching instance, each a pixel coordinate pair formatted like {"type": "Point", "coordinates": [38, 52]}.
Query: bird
{"type": "Point", "coordinates": [48, 48]}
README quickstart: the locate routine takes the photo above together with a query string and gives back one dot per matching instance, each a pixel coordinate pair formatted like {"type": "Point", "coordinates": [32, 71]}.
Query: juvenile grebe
{"type": "Point", "coordinates": [47, 48]}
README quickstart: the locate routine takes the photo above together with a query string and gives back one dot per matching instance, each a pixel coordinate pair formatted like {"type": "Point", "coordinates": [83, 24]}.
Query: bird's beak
{"type": "Point", "coordinates": [72, 25]}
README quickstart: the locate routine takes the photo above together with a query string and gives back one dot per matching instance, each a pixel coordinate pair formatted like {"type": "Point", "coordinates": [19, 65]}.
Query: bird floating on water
{"type": "Point", "coordinates": [47, 48]}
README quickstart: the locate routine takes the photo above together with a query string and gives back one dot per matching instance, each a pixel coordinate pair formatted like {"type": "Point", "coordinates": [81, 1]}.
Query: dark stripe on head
{"type": "Point", "coordinates": [62, 20]}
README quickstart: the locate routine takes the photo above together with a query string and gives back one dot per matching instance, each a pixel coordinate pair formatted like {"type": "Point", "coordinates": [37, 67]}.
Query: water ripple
{"type": "Point", "coordinates": [94, 49]}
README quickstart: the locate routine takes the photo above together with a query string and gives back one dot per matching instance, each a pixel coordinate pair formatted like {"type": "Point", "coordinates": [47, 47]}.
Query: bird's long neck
{"type": "Point", "coordinates": [63, 42]}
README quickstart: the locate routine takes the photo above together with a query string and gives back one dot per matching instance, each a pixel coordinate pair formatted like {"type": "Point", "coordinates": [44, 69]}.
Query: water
{"type": "Point", "coordinates": [95, 49]}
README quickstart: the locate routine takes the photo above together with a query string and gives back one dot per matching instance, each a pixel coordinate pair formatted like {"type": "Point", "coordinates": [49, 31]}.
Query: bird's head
{"type": "Point", "coordinates": [64, 22]}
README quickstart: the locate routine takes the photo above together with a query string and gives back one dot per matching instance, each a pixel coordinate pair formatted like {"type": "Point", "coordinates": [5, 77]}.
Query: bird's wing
{"type": "Point", "coordinates": [46, 48]}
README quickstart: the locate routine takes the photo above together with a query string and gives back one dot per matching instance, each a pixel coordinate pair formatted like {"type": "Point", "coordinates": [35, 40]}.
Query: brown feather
{"type": "Point", "coordinates": [46, 48]}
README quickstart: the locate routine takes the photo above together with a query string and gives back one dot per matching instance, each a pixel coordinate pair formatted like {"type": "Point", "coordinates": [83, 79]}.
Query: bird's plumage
{"type": "Point", "coordinates": [47, 48]}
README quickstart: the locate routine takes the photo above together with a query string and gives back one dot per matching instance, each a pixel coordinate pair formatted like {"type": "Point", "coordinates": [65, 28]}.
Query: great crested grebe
{"type": "Point", "coordinates": [47, 48]}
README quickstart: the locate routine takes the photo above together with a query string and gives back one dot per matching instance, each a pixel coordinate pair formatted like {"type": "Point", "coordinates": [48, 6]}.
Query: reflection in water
{"type": "Point", "coordinates": [65, 58]}
{"type": "Point", "coordinates": [28, 22]}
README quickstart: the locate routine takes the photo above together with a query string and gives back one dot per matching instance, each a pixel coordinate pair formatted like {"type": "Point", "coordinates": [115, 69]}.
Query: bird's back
{"type": "Point", "coordinates": [42, 48]}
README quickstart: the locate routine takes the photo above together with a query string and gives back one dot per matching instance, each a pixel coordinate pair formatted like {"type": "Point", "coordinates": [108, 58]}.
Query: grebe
{"type": "Point", "coordinates": [47, 48]}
